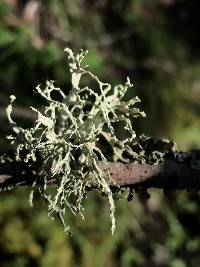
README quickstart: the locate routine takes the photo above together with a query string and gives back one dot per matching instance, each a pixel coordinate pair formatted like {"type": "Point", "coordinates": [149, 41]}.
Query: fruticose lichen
{"type": "Point", "coordinates": [66, 136]}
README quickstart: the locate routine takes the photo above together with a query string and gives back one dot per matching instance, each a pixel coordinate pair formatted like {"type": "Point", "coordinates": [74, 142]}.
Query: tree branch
{"type": "Point", "coordinates": [170, 175]}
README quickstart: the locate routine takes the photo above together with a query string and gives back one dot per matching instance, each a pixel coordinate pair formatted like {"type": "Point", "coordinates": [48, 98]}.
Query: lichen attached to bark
{"type": "Point", "coordinates": [66, 136]}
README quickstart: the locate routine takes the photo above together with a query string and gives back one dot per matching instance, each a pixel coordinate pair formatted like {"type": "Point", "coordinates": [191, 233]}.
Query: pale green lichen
{"type": "Point", "coordinates": [66, 136]}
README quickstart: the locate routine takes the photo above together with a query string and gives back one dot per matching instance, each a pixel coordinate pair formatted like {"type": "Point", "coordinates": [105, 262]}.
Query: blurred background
{"type": "Point", "coordinates": [157, 44]}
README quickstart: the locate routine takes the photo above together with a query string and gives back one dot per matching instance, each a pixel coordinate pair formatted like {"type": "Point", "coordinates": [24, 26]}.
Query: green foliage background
{"type": "Point", "coordinates": [156, 44]}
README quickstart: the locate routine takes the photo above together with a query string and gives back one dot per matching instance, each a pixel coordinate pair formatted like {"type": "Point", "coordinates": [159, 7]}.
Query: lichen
{"type": "Point", "coordinates": [66, 136]}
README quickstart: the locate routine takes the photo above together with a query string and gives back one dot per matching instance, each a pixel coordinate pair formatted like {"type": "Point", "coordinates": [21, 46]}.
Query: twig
{"type": "Point", "coordinates": [170, 175]}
